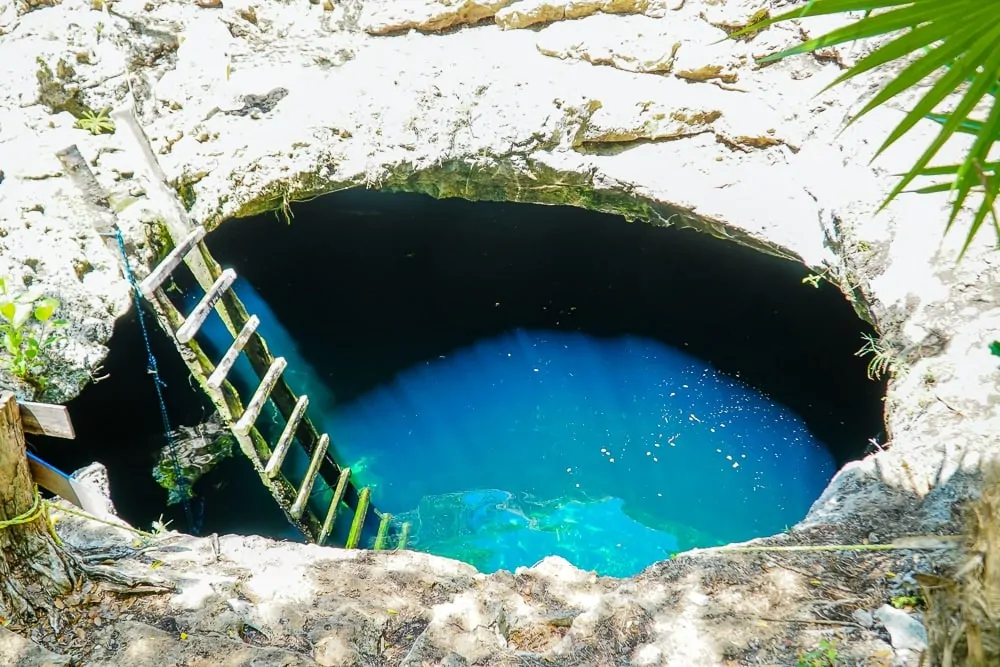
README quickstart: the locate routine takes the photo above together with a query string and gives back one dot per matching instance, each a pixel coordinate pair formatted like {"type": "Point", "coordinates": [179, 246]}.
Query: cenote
{"type": "Point", "coordinates": [517, 380]}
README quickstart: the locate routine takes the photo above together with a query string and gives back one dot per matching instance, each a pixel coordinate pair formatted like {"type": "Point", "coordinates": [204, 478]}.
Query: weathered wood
{"type": "Point", "coordinates": [34, 570]}
{"type": "Point", "coordinates": [197, 317]}
{"type": "Point", "coordinates": [101, 215]}
{"type": "Point", "coordinates": [404, 536]}
{"type": "Point", "coordinates": [331, 513]}
{"type": "Point", "coordinates": [260, 396]}
{"type": "Point", "coordinates": [227, 401]}
{"type": "Point", "coordinates": [310, 478]}
{"type": "Point", "coordinates": [232, 311]}
{"type": "Point", "coordinates": [178, 225]}
{"type": "Point", "coordinates": [284, 398]}
{"type": "Point", "coordinates": [46, 419]}
{"type": "Point", "coordinates": [173, 259]}
{"type": "Point", "coordinates": [383, 531]}
{"type": "Point", "coordinates": [287, 435]}
{"type": "Point", "coordinates": [163, 197]}
{"type": "Point", "coordinates": [221, 371]}
{"type": "Point", "coordinates": [357, 526]}
{"type": "Point", "coordinates": [56, 481]}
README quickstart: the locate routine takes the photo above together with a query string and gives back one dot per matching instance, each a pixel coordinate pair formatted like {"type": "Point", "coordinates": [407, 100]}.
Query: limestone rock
{"type": "Point", "coordinates": [527, 13]}
{"type": "Point", "coordinates": [16, 650]}
{"type": "Point", "coordinates": [383, 18]}
{"type": "Point", "coordinates": [685, 47]}
{"type": "Point", "coordinates": [905, 632]}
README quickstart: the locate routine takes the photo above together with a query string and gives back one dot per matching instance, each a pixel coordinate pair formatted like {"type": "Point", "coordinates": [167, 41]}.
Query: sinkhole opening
{"type": "Point", "coordinates": [514, 380]}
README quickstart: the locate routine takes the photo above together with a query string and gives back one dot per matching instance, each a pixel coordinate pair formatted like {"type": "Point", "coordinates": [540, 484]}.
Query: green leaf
{"type": "Point", "coordinates": [45, 308]}
{"type": "Point", "coordinates": [954, 41]}
{"type": "Point", "coordinates": [22, 311]}
{"type": "Point", "coordinates": [900, 18]}
{"type": "Point", "coordinates": [7, 309]}
{"type": "Point", "coordinates": [995, 347]}
{"type": "Point", "coordinates": [9, 343]}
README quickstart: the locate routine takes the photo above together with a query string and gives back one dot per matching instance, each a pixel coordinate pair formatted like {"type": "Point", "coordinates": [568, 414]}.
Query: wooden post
{"type": "Point", "coordinates": [34, 570]}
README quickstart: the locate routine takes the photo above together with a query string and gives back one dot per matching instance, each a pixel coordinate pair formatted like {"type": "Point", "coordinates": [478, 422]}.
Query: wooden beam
{"type": "Point", "coordinates": [173, 259]}
{"type": "Point", "coordinates": [46, 419]}
{"type": "Point", "coordinates": [383, 531]}
{"type": "Point", "coordinates": [338, 497]}
{"type": "Point", "coordinates": [99, 209]}
{"type": "Point", "coordinates": [404, 536]}
{"type": "Point", "coordinates": [358, 525]}
{"type": "Point", "coordinates": [197, 317]}
{"type": "Point", "coordinates": [221, 371]}
{"type": "Point", "coordinates": [256, 403]}
{"type": "Point", "coordinates": [57, 482]}
{"type": "Point", "coordinates": [307, 484]}
{"type": "Point", "coordinates": [281, 449]}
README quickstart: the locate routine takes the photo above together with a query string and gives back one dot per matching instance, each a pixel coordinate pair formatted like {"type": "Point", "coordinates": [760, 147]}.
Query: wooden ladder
{"type": "Point", "coordinates": [189, 248]}
{"type": "Point", "coordinates": [267, 460]}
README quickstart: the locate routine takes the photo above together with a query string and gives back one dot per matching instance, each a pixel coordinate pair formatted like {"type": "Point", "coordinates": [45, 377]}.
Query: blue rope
{"type": "Point", "coordinates": [153, 369]}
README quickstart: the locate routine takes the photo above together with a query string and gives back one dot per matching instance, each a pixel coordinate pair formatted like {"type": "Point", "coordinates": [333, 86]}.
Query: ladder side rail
{"type": "Point", "coordinates": [227, 401]}
{"type": "Point", "coordinates": [225, 397]}
{"type": "Point", "coordinates": [206, 271]}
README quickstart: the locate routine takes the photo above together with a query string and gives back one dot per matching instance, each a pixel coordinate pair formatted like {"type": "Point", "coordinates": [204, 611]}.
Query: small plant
{"type": "Point", "coordinates": [882, 356]}
{"type": "Point", "coordinates": [27, 333]}
{"type": "Point", "coordinates": [825, 655]}
{"type": "Point", "coordinates": [907, 601]}
{"type": "Point", "coordinates": [96, 123]}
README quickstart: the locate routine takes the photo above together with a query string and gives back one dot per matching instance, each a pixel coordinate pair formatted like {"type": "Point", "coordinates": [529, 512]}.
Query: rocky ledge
{"type": "Point", "coordinates": [640, 108]}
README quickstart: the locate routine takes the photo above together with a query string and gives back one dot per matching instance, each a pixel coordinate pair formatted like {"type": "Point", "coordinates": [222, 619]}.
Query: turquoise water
{"type": "Point", "coordinates": [613, 453]}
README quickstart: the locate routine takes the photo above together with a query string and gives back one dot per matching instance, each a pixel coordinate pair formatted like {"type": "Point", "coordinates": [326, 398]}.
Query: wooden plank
{"type": "Point", "coordinates": [404, 536]}
{"type": "Point", "coordinates": [170, 262]}
{"type": "Point", "coordinates": [310, 479]}
{"type": "Point", "coordinates": [163, 197]}
{"type": "Point", "coordinates": [281, 450]}
{"type": "Point", "coordinates": [197, 317]}
{"type": "Point", "coordinates": [338, 497]}
{"type": "Point", "coordinates": [46, 419]}
{"type": "Point", "coordinates": [102, 216]}
{"type": "Point", "coordinates": [260, 396]}
{"type": "Point", "coordinates": [56, 481]}
{"type": "Point", "coordinates": [221, 371]}
{"type": "Point", "coordinates": [284, 398]}
{"type": "Point", "coordinates": [354, 537]}
{"type": "Point", "coordinates": [383, 531]}
{"type": "Point", "coordinates": [227, 401]}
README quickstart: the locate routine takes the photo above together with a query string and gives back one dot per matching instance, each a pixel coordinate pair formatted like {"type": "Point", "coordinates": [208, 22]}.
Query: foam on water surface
{"type": "Point", "coordinates": [613, 453]}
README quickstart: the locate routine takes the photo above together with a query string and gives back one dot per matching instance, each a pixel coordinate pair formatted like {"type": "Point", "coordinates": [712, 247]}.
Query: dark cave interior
{"type": "Point", "coordinates": [379, 282]}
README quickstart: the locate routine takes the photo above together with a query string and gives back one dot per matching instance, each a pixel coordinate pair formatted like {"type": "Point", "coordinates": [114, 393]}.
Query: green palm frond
{"type": "Point", "coordinates": [959, 43]}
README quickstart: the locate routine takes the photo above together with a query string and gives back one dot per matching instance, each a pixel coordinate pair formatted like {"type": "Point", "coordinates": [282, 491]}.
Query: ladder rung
{"type": "Point", "coordinates": [222, 370]}
{"type": "Point", "coordinates": [354, 537]}
{"type": "Point", "coordinates": [404, 536]}
{"type": "Point", "coordinates": [281, 450]}
{"type": "Point", "coordinates": [170, 262]}
{"type": "Point", "coordinates": [307, 484]}
{"type": "Point", "coordinates": [256, 404]}
{"type": "Point", "coordinates": [197, 317]}
{"type": "Point", "coordinates": [383, 531]}
{"type": "Point", "coordinates": [338, 497]}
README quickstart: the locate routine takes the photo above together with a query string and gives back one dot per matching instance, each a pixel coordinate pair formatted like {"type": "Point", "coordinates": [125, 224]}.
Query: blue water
{"type": "Point", "coordinates": [613, 453]}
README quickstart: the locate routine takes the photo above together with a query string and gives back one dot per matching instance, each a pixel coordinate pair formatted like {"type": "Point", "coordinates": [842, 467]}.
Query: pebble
{"type": "Point", "coordinates": [905, 632]}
